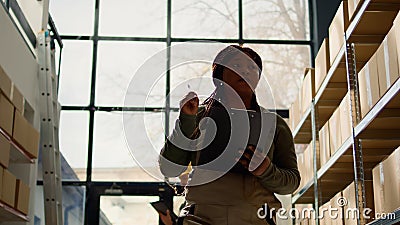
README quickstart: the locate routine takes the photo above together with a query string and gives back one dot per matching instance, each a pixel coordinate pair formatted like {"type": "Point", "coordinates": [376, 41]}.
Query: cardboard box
{"type": "Point", "coordinates": [336, 31]}
{"type": "Point", "coordinates": [322, 64]}
{"type": "Point", "coordinates": [295, 113]}
{"type": "Point", "coordinates": [387, 62]}
{"type": "Point", "coordinates": [17, 99]}
{"type": "Point", "coordinates": [324, 144]}
{"type": "Point", "coordinates": [26, 135]}
{"type": "Point", "coordinates": [5, 83]}
{"type": "Point", "coordinates": [368, 85]}
{"type": "Point", "coordinates": [324, 214]}
{"type": "Point", "coordinates": [345, 118]}
{"type": "Point", "coordinates": [350, 195]}
{"type": "Point", "coordinates": [391, 184]}
{"type": "Point", "coordinates": [9, 184]}
{"type": "Point", "coordinates": [309, 163]}
{"type": "Point", "coordinates": [377, 179]}
{"type": "Point", "coordinates": [6, 114]}
{"type": "Point", "coordinates": [300, 165]}
{"type": "Point", "coordinates": [396, 25]}
{"type": "Point", "coordinates": [4, 151]}
{"type": "Point", "coordinates": [22, 197]}
{"type": "Point", "coordinates": [1, 181]}
{"type": "Point", "coordinates": [307, 89]}
{"type": "Point", "coordinates": [335, 137]}
{"type": "Point", "coordinates": [352, 6]}
{"type": "Point", "coordinates": [338, 214]}
{"type": "Point", "coordinates": [386, 182]}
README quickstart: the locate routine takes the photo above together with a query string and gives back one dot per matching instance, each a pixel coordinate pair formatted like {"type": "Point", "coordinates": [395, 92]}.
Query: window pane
{"type": "Point", "coordinates": [127, 145]}
{"type": "Point", "coordinates": [74, 143]}
{"type": "Point", "coordinates": [117, 67]}
{"type": "Point", "coordinates": [120, 210]}
{"type": "Point", "coordinates": [73, 17]}
{"type": "Point", "coordinates": [283, 66]}
{"type": "Point", "coordinates": [76, 70]}
{"type": "Point", "coordinates": [205, 19]}
{"type": "Point", "coordinates": [191, 69]}
{"type": "Point", "coordinates": [133, 18]}
{"type": "Point", "coordinates": [276, 19]}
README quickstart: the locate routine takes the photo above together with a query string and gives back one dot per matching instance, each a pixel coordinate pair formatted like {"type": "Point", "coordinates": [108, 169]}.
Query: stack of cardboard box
{"type": "Point", "coordinates": [381, 71]}
{"type": "Point", "coordinates": [15, 129]}
{"type": "Point", "coordinates": [335, 131]}
{"type": "Point", "coordinates": [304, 99]}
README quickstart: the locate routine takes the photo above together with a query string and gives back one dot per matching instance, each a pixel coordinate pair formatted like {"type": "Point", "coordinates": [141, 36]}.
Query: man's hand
{"type": "Point", "coordinates": [250, 154]}
{"type": "Point", "coordinates": [189, 104]}
{"type": "Point", "coordinates": [166, 219]}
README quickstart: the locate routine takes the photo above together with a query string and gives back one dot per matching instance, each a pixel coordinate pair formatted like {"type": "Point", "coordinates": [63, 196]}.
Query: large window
{"type": "Point", "coordinates": [115, 114]}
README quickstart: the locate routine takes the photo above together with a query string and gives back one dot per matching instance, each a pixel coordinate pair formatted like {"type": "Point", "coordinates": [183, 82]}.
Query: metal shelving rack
{"type": "Point", "coordinates": [372, 138]}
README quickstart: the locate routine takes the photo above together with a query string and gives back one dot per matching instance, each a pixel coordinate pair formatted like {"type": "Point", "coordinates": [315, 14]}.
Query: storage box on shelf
{"type": "Point", "coordinates": [307, 89]}
{"type": "Point", "coordinates": [386, 182]}
{"type": "Point", "coordinates": [335, 138]}
{"type": "Point", "coordinates": [334, 203]}
{"type": "Point", "coordinates": [352, 6]}
{"type": "Point", "coordinates": [8, 189]}
{"type": "Point", "coordinates": [6, 114]}
{"type": "Point", "coordinates": [304, 162]}
{"type": "Point", "coordinates": [349, 194]}
{"type": "Point", "coordinates": [1, 181]}
{"type": "Point", "coordinates": [324, 214]}
{"type": "Point", "coordinates": [324, 144]}
{"type": "Point", "coordinates": [26, 135]}
{"type": "Point", "coordinates": [5, 83]}
{"type": "Point", "coordinates": [295, 113]}
{"type": "Point", "coordinates": [345, 118]}
{"type": "Point", "coordinates": [17, 99]}
{"type": "Point", "coordinates": [388, 66]}
{"type": "Point", "coordinates": [22, 194]}
{"type": "Point", "coordinates": [368, 85]}
{"type": "Point", "coordinates": [396, 27]}
{"type": "Point", "coordinates": [4, 151]}
{"type": "Point", "coordinates": [322, 63]}
{"type": "Point", "coordinates": [337, 28]}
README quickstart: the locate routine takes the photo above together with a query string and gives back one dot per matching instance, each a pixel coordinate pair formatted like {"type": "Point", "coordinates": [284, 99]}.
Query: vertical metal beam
{"type": "Point", "coordinates": [312, 16]}
{"type": "Point", "coordinates": [240, 8]}
{"type": "Point", "coordinates": [45, 14]}
{"type": "Point", "coordinates": [88, 206]}
{"type": "Point", "coordinates": [314, 132]}
{"type": "Point", "coordinates": [352, 85]}
{"type": "Point", "coordinates": [168, 67]}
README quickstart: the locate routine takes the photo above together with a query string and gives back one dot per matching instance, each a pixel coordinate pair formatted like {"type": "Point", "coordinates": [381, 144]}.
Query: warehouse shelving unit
{"type": "Point", "coordinates": [374, 137]}
{"type": "Point", "coordinates": [9, 214]}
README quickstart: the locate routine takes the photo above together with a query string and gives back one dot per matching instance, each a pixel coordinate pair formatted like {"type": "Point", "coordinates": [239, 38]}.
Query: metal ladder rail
{"type": "Point", "coordinates": [49, 134]}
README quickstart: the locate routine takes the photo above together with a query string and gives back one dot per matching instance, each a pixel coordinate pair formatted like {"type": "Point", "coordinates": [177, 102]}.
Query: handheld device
{"type": "Point", "coordinates": [161, 207]}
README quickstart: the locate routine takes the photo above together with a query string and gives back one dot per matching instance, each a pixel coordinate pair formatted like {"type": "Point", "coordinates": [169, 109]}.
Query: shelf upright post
{"type": "Point", "coordinates": [315, 147]}
{"type": "Point", "coordinates": [358, 165]}
{"type": "Point", "coordinates": [49, 144]}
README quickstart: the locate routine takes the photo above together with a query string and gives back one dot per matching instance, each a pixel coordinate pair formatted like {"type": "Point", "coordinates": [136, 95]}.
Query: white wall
{"type": "Point", "coordinates": [21, 66]}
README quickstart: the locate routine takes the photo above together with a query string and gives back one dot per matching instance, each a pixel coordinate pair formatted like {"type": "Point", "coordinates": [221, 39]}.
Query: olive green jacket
{"type": "Point", "coordinates": [281, 177]}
